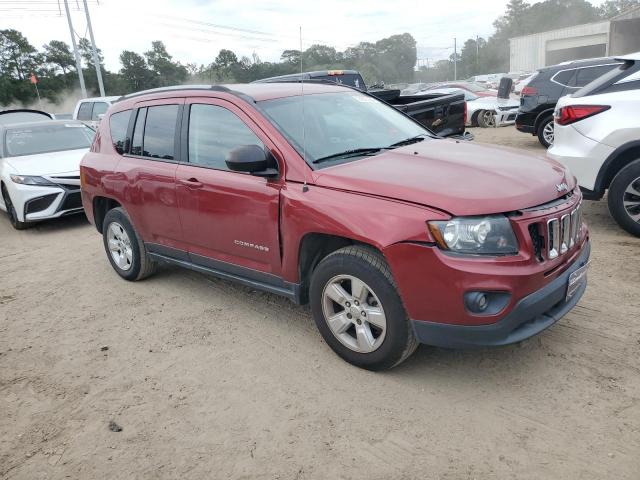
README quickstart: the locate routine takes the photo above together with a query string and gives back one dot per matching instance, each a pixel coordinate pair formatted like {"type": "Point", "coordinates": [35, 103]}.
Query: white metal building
{"type": "Point", "coordinates": [617, 36]}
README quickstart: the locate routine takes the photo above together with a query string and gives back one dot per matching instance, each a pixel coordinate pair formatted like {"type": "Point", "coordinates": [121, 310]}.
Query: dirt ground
{"type": "Point", "coordinates": [207, 379]}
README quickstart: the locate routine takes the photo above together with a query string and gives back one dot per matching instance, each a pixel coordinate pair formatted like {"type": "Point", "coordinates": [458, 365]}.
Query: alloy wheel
{"type": "Point", "coordinates": [548, 133]}
{"type": "Point", "coordinates": [119, 246]}
{"type": "Point", "coordinates": [354, 313]}
{"type": "Point", "coordinates": [489, 118]}
{"type": "Point", "coordinates": [631, 200]}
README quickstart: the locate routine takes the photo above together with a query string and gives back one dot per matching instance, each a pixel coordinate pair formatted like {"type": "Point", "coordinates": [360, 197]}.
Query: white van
{"type": "Point", "coordinates": [91, 110]}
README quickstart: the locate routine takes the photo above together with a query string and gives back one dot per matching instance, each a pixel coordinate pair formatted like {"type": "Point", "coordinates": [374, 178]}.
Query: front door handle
{"type": "Point", "coordinates": [190, 183]}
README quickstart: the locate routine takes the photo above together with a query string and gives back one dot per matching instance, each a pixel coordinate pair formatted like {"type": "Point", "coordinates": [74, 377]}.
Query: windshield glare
{"type": "Point", "coordinates": [338, 122]}
{"type": "Point", "coordinates": [47, 138]}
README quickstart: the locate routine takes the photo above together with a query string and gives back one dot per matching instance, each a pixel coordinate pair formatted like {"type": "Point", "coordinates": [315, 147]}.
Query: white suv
{"type": "Point", "coordinates": [597, 135]}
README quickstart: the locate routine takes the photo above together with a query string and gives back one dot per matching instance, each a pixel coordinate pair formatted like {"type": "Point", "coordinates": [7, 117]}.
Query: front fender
{"type": "Point", "coordinates": [376, 221]}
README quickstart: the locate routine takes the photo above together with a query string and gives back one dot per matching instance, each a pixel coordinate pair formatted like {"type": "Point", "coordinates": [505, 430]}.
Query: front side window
{"type": "Point", "coordinates": [47, 138]}
{"type": "Point", "coordinates": [154, 132]}
{"type": "Point", "coordinates": [84, 112]}
{"type": "Point", "coordinates": [99, 108]}
{"type": "Point", "coordinates": [118, 124]}
{"type": "Point", "coordinates": [215, 131]}
{"type": "Point", "coordinates": [339, 122]}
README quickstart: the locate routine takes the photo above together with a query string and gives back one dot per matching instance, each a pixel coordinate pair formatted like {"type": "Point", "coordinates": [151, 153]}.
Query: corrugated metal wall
{"type": "Point", "coordinates": [529, 53]}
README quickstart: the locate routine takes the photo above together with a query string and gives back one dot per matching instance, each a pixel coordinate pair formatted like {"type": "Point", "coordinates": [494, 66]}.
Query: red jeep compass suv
{"type": "Point", "coordinates": [393, 235]}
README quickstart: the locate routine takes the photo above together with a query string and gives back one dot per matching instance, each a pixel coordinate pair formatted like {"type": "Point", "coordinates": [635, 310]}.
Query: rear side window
{"type": "Point", "coordinates": [564, 77]}
{"type": "Point", "coordinates": [136, 144]}
{"type": "Point", "coordinates": [587, 75]}
{"type": "Point", "coordinates": [154, 133]}
{"type": "Point", "coordinates": [99, 108]}
{"type": "Point", "coordinates": [215, 131]}
{"type": "Point", "coordinates": [119, 124]}
{"type": "Point", "coordinates": [84, 112]}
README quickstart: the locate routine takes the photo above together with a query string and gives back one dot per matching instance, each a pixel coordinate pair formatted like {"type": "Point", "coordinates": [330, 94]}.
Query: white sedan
{"type": "Point", "coordinates": [486, 111]}
{"type": "Point", "coordinates": [39, 169]}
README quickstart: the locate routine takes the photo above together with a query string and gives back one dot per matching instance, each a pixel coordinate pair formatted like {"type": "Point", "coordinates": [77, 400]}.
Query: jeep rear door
{"type": "Point", "coordinates": [229, 219]}
{"type": "Point", "coordinates": [147, 170]}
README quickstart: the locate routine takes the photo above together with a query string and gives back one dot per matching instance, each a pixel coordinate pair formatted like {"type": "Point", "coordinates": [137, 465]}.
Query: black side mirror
{"type": "Point", "coordinates": [250, 159]}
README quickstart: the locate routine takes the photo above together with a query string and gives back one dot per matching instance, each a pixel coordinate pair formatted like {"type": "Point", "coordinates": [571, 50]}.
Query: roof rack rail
{"type": "Point", "coordinates": [174, 88]}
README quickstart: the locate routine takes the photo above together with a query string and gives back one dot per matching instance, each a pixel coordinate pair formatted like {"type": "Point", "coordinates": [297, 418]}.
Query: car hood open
{"type": "Point", "coordinates": [50, 163]}
{"type": "Point", "coordinates": [459, 177]}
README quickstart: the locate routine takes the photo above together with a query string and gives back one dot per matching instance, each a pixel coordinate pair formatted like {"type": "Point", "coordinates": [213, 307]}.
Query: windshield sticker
{"type": "Point", "coordinates": [74, 125]}
{"type": "Point", "coordinates": [364, 99]}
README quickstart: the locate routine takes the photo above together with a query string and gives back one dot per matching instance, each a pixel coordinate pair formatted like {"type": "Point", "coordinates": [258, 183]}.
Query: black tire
{"type": "Point", "coordinates": [482, 122]}
{"type": "Point", "coordinates": [629, 176]}
{"type": "Point", "coordinates": [11, 212]}
{"type": "Point", "coordinates": [545, 121]}
{"type": "Point", "coordinates": [369, 266]}
{"type": "Point", "coordinates": [141, 266]}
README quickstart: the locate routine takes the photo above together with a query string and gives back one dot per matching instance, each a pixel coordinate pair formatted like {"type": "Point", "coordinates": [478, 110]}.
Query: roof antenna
{"type": "Point", "coordinates": [305, 187]}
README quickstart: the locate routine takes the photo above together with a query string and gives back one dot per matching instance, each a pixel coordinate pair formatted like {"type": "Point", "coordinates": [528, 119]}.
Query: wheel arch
{"type": "Point", "coordinates": [314, 246]}
{"type": "Point", "coordinates": [541, 116]}
{"type": "Point", "coordinates": [616, 161]}
{"type": "Point", "coordinates": [101, 205]}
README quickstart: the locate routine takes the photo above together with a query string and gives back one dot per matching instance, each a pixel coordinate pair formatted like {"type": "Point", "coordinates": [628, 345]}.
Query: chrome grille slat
{"type": "Point", "coordinates": [565, 233]}
{"type": "Point", "coordinates": [553, 236]}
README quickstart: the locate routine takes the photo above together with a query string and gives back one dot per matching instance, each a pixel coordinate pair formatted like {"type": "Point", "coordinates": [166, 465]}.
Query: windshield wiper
{"type": "Point", "coordinates": [349, 153]}
{"type": "Point", "coordinates": [408, 141]}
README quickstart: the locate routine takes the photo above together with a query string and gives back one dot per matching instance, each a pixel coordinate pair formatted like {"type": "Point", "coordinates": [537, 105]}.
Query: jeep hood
{"type": "Point", "coordinates": [459, 177]}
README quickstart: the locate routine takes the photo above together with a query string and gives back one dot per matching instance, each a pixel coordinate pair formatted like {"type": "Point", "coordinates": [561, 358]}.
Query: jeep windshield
{"type": "Point", "coordinates": [341, 127]}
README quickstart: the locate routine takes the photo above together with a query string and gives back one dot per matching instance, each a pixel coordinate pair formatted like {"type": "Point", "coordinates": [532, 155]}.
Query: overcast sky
{"type": "Point", "coordinates": [195, 30]}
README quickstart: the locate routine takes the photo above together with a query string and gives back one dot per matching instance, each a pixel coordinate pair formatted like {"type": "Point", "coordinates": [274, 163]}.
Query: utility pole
{"type": "Point", "coordinates": [455, 58]}
{"type": "Point", "coordinates": [96, 59]}
{"type": "Point", "coordinates": [75, 50]}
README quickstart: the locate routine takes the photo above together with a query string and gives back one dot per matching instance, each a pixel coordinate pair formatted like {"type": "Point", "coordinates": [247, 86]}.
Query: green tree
{"type": "Point", "coordinates": [611, 8]}
{"type": "Point", "coordinates": [86, 52]}
{"type": "Point", "coordinates": [18, 58]}
{"type": "Point", "coordinates": [162, 64]}
{"type": "Point", "coordinates": [135, 72]}
{"type": "Point", "coordinates": [58, 55]}
{"type": "Point", "coordinates": [226, 58]}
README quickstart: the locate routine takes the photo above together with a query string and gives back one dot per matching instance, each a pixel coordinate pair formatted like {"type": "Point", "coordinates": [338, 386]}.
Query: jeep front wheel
{"type": "Point", "coordinates": [358, 310]}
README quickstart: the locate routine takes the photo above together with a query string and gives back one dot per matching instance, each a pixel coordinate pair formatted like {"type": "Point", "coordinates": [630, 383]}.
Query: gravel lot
{"type": "Point", "coordinates": [211, 380]}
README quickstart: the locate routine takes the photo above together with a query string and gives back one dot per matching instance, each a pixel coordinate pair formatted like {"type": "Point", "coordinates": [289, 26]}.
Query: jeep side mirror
{"type": "Point", "coordinates": [250, 159]}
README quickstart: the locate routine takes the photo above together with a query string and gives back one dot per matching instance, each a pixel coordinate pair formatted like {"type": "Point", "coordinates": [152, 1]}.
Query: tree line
{"type": "Point", "coordinates": [389, 60]}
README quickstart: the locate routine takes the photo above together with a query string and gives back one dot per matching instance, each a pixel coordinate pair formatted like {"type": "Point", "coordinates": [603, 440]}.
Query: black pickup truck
{"type": "Point", "coordinates": [444, 114]}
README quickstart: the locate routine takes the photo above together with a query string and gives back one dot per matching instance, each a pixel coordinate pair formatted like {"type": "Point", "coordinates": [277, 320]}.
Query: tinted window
{"type": "Point", "coordinates": [589, 74]}
{"type": "Point", "coordinates": [119, 123]}
{"type": "Point", "coordinates": [213, 132]}
{"type": "Point", "coordinates": [84, 112]}
{"type": "Point", "coordinates": [18, 117]}
{"type": "Point", "coordinates": [99, 108]}
{"type": "Point", "coordinates": [136, 144]}
{"type": "Point", "coordinates": [47, 138]}
{"type": "Point", "coordinates": [564, 77]}
{"type": "Point", "coordinates": [159, 132]}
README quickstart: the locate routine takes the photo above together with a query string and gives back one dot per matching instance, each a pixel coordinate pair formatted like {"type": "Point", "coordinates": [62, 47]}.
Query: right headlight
{"type": "Point", "coordinates": [491, 235]}
{"type": "Point", "coordinates": [30, 180]}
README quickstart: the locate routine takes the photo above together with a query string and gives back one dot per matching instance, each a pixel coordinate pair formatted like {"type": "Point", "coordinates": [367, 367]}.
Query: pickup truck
{"type": "Point", "coordinates": [444, 114]}
{"type": "Point", "coordinates": [393, 235]}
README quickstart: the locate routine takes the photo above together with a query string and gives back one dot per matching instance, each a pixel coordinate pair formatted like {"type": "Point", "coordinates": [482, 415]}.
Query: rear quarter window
{"type": "Point", "coordinates": [119, 125]}
{"type": "Point", "coordinates": [99, 108]}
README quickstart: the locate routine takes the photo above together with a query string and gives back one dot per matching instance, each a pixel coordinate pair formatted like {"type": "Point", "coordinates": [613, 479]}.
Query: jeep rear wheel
{"type": "Point", "coordinates": [125, 249]}
{"type": "Point", "coordinates": [624, 198]}
{"type": "Point", "coordinates": [358, 310]}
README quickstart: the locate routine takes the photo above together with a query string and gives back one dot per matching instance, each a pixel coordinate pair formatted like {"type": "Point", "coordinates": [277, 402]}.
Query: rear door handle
{"type": "Point", "coordinates": [190, 183]}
